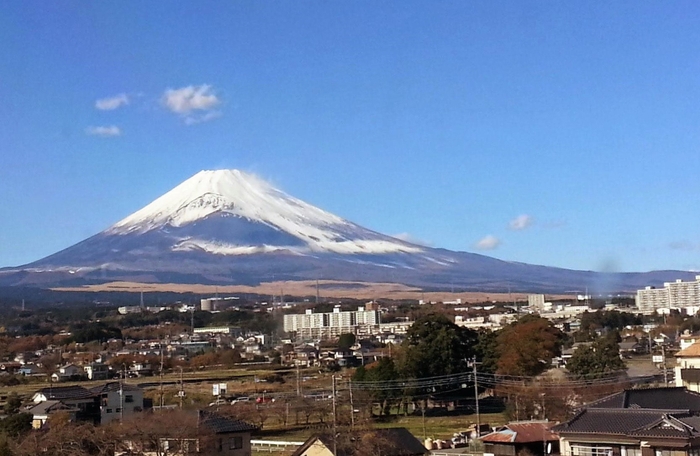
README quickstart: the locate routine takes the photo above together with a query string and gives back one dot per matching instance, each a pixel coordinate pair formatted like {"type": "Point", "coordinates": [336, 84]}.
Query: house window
{"type": "Point", "coordinates": [235, 443]}
{"type": "Point", "coordinates": [592, 450]}
{"type": "Point", "coordinates": [663, 452]}
{"type": "Point", "coordinates": [632, 451]}
{"type": "Point", "coordinates": [109, 410]}
{"type": "Point", "coordinates": [129, 398]}
{"type": "Point", "coordinates": [119, 410]}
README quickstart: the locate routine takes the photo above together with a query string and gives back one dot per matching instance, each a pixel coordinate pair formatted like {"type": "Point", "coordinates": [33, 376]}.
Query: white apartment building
{"type": "Point", "coordinates": [673, 295]}
{"type": "Point", "coordinates": [535, 301]}
{"type": "Point", "coordinates": [331, 324]}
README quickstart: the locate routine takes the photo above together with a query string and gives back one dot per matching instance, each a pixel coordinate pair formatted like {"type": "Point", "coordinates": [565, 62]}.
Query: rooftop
{"type": "Point", "coordinates": [111, 387]}
{"type": "Point", "coordinates": [219, 424]}
{"type": "Point", "coordinates": [691, 351]}
{"type": "Point", "coordinates": [652, 399]}
{"type": "Point", "coordinates": [523, 432]}
{"type": "Point", "coordinates": [388, 442]}
{"type": "Point", "coordinates": [65, 392]}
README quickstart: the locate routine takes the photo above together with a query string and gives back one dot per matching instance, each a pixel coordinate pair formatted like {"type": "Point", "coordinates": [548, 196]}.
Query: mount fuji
{"type": "Point", "coordinates": [230, 227]}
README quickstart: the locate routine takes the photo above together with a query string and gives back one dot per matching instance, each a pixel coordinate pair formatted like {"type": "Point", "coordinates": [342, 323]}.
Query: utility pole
{"type": "Point", "coordinates": [663, 357]}
{"type": "Point", "coordinates": [476, 399]}
{"type": "Point", "coordinates": [335, 419]}
{"type": "Point", "coordinates": [298, 379]}
{"type": "Point", "coordinates": [121, 396]}
{"type": "Point", "coordinates": [352, 407]}
{"type": "Point", "coordinates": [161, 375]}
{"type": "Point", "coordinates": [181, 393]}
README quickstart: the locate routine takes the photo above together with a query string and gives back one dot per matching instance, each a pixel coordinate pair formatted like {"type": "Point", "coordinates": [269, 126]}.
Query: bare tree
{"type": "Point", "coordinates": [162, 433]}
{"type": "Point", "coordinates": [67, 439]}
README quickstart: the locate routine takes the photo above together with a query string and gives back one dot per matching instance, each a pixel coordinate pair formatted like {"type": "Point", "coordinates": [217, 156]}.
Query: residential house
{"type": "Point", "coordinates": [687, 369]}
{"type": "Point", "coordinates": [384, 442]}
{"type": "Point", "coordinates": [25, 357]}
{"type": "Point", "coordinates": [210, 434]}
{"type": "Point", "coordinates": [78, 397]}
{"type": "Point", "coordinates": [40, 412]}
{"type": "Point", "coordinates": [96, 371]}
{"type": "Point", "coordinates": [520, 438]}
{"type": "Point", "coordinates": [10, 367]}
{"type": "Point", "coordinates": [665, 338]}
{"type": "Point", "coordinates": [30, 369]}
{"type": "Point", "coordinates": [67, 372]}
{"type": "Point", "coordinates": [141, 369]}
{"type": "Point", "coordinates": [631, 346]}
{"type": "Point", "coordinates": [687, 339]}
{"type": "Point", "coordinates": [304, 355]}
{"type": "Point", "coordinates": [642, 422]}
{"type": "Point", "coordinates": [119, 400]}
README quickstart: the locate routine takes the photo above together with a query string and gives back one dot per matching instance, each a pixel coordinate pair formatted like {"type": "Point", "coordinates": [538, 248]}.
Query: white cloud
{"type": "Point", "coordinates": [191, 98]}
{"type": "Point", "coordinates": [110, 103]}
{"type": "Point", "coordinates": [488, 243]}
{"type": "Point", "coordinates": [520, 222]}
{"type": "Point", "coordinates": [104, 131]}
{"type": "Point", "coordinates": [406, 237]}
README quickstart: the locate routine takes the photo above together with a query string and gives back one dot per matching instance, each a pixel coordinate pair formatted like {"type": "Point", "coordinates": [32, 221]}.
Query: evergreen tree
{"type": "Point", "coordinates": [600, 359]}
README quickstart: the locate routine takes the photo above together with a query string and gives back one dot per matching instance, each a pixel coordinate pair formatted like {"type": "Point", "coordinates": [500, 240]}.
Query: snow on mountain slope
{"type": "Point", "coordinates": [232, 193]}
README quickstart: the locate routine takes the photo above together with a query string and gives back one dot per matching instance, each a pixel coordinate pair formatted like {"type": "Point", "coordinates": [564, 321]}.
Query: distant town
{"type": "Point", "coordinates": [274, 374]}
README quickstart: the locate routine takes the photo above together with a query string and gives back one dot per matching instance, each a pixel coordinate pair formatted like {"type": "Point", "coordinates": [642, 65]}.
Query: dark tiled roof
{"type": "Point", "coordinates": [43, 408]}
{"type": "Point", "coordinates": [389, 442]}
{"type": "Point", "coordinates": [609, 421]}
{"type": "Point", "coordinates": [65, 392]}
{"type": "Point", "coordinates": [652, 398]}
{"type": "Point", "coordinates": [219, 424]}
{"type": "Point", "coordinates": [111, 387]}
{"type": "Point", "coordinates": [633, 422]}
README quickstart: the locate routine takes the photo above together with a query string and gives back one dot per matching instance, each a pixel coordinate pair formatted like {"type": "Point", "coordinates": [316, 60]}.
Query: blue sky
{"type": "Point", "coordinates": [556, 133]}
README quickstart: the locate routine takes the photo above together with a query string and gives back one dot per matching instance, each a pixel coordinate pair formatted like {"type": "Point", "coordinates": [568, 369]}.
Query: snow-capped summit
{"type": "Point", "coordinates": [224, 191]}
{"type": "Point", "coordinates": [246, 199]}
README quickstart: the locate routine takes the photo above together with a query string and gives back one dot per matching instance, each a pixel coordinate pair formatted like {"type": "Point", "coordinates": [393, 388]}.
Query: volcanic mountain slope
{"type": "Point", "coordinates": [227, 226]}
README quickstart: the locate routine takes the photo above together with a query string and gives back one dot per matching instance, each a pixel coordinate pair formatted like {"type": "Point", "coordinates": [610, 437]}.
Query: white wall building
{"type": "Point", "coordinates": [535, 301]}
{"type": "Point", "coordinates": [673, 295]}
{"type": "Point", "coordinates": [113, 406]}
{"type": "Point", "coordinates": [687, 369]}
{"type": "Point", "coordinates": [331, 324]}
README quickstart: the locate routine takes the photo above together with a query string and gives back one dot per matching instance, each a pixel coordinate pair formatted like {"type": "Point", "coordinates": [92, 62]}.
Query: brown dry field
{"type": "Point", "coordinates": [329, 289]}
